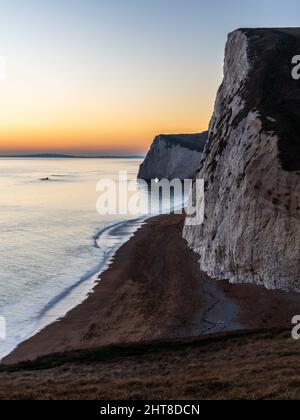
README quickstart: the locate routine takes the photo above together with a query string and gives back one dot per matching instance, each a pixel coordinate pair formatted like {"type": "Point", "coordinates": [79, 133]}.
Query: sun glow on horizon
{"type": "Point", "coordinates": [84, 138]}
{"type": "Point", "coordinates": [109, 75]}
{"type": "Point", "coordinates": [93, 78]}
{"type": "Point", "coordinates": [74, 117]}
{"type": "Point", "coordinates": [71, 115]}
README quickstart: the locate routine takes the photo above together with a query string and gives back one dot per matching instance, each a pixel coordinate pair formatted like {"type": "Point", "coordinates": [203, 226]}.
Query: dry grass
{"type": "Point", "coordinates": [253, 365]}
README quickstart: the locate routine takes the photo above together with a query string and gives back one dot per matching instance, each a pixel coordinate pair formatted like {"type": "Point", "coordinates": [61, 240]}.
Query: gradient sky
{"type": "Point", "coordinates": [108, 75]}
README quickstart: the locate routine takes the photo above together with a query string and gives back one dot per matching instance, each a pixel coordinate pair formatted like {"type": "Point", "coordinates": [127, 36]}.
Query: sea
{"type": "Point", "coordinates": [54, 242]}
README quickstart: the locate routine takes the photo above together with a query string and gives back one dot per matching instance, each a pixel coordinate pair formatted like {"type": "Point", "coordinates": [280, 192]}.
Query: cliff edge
{"type": "Point", "coordinates": [173, 157]}
{"type": "Point", "coordinates": [251, 165]}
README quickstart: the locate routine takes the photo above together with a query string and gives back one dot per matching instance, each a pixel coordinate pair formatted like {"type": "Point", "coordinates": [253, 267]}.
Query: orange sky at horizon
{"type": "Point", "coordinates": [80, 138]}
{"type": "Point", "coordinates": [44, 120]}
{"type": "Point", "coordinates": [68, 116]}
{"type": "Point", "coordinates": [74, 85]}
{"type": "Point", "coordinates": [108, 76]}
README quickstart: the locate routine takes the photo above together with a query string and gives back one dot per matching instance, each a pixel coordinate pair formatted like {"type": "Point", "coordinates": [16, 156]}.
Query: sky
{"type": "Point", "coordinates": [106, 76]}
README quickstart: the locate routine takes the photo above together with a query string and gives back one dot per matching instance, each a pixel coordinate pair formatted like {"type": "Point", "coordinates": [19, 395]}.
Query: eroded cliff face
{"type": "Point", "coordinates": [251, 165]}
{"type": "Point", "coordinates": [173, 157]}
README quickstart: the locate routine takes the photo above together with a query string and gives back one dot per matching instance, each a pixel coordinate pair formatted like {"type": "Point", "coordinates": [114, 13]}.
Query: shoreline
{"type": "Point", "coordinates": [113, 237]}
{"type": "Point", "coordinates": [153, 290]}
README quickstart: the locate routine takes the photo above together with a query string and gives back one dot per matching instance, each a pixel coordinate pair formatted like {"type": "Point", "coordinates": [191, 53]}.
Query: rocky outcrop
{"type": "Point", "coordinates": [251, 165]}
{"type": "Point", "coordinates": [173, 157]}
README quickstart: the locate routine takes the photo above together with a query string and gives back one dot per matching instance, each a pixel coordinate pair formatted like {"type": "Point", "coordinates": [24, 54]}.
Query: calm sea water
{"type": "Point", "coordinates": [53, 241]}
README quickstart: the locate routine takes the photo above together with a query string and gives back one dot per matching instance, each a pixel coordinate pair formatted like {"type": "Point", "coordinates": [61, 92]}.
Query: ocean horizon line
{"type": "Point", "coordinates": [69, 156]}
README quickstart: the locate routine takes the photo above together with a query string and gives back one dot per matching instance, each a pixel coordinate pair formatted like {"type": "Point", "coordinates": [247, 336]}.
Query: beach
{"type": "Point", "coordinates": [54, 242]}
{"type": "Point", "coordinates": [152, 291]}
{"type": "Point", "coordinates": [150, 203]}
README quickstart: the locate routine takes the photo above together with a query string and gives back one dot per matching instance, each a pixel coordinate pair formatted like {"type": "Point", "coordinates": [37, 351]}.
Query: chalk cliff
{"type": "Point", "coordinates": [251, 165]}
{"type": "Point", "coordinates": [173, 156]}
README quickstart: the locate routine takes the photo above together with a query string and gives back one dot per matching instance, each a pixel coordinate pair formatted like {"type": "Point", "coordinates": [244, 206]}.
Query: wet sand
{"type": "Point", "coordinates": [154, 290]}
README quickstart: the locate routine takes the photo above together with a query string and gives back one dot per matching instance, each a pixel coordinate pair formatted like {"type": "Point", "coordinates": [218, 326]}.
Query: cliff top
{"type": "Point", "coordinates": [190, 141]}
{"type": "Point", "coordinates": [294, 31]}
{"type": "Point", "coordinates": [269, 87]}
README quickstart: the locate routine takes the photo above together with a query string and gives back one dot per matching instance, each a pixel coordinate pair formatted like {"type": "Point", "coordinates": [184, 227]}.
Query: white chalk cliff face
{"type": "Point", "coordinates": [251, 166]}
{"type": "Point", "coordinates": [173, 157]}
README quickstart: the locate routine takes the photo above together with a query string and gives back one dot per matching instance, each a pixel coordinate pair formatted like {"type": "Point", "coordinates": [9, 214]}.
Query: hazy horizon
{"type": "Point", "coordinates": [72, 155]}
{"type": "Point", "coordinates": [105, 77]}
